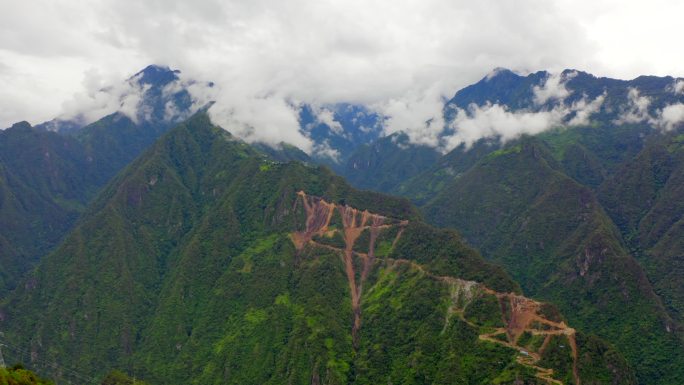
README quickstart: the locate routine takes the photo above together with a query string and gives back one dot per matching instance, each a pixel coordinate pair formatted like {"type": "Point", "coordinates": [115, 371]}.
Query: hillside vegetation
{"type": "Point", "coordinates": [204, 262]}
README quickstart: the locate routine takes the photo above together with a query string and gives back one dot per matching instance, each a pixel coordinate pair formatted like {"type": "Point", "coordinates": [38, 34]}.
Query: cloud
{"type": "Point", "coordinates": [495, 121]}
{"type": "Point", "coordinates": [678, 87]}
{"type": "Point", "coordinates": [130, 97]}
{"type": "Point", "coordinates": [636, 110]}
{"type": "Point", "coordinates": [324, 150]}
{"type": "Point", "coordinates": [583, 109]}
{"type": "Point", "coordinates": [552, 89]}
{"type": "Point", "coordinates": [266, 118]}
{"type": "Point", "coordinates": [421, 116]}
{"type": "Point", "coordinates": [418, 114]}
{"type": "Point", "coordinates": [327, 117]}
{"type": "Point", "coordinates": [266, 56]}
{"type": "Point", "coordinates": [100, 100]}
{"type": "Point", "coordinates": [493, 73]}
{"type": "Point", "coordinates": [670, 116]}
{"type": "Point", "coordinates": [371, 52]}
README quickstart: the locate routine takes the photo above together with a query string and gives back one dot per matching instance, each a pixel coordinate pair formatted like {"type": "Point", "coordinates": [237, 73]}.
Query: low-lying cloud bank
{"type": "Point", "coordinates": [638, 111]}
{"type": "Point", "coordinates": [100, 99]}
{"type": "Point", "coordinates": [268, 57]}
{"type": "Point", "coordinates": [131, 98]}
{"type": "Point", "coordinates": [678, 87]}
{"type": "Point", "coordinates": [553, 89]}
{"type": "Point", "coordinates": [549, 110]}
{"type": "Point", "coordinates": [494, 121]}
{"type": "Point", "coordinates": [489, 121]}
{"type": "Point", "coordinates": [670, 116]}
{"type": "Point", "coordinates": [270, 118]}
{"type": "Point", "coordinates": [273, 118]}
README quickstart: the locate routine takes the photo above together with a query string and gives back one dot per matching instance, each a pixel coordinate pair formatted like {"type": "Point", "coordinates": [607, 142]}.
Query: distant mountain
{"type": "Point", "coordinates": [385, 163]}
{"type": "Point", "coordinates": [434, 177]}
{"type": "Point", "coordinates": [538, 205]}
{"type": "Point", "coordinates": [204, 262]}
{"type": "Point", "coordinates": [50, 172]}
{"type": "Point", "coordinates": [337, 130]}
{"type": "Point", "coordinates": [519, 92]}
{"type": "Point", "coordinates": [155, 96]}
{"type": "Point", "coordinates": [613, 129]}
{"type": "Point", "coordinates": [210, 260]}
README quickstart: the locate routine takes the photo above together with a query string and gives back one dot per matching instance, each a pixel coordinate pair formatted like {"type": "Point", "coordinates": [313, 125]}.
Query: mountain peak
{"type": "Point", "coordinates": [500, 71]}
{"type": "Point", "coordinates": [23, 125]}
{"type": "Point", "coordinates": [155, 74]}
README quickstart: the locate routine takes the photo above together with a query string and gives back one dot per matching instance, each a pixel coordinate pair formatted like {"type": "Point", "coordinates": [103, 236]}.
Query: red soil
{"type": "Point", "coordinates": [519, 314]}
{"type": "Point", "coordinates": [318, 215]}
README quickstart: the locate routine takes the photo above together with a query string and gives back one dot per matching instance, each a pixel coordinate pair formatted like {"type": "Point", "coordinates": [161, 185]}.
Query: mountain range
{"type": "Point", "coordinates": [546, 250]}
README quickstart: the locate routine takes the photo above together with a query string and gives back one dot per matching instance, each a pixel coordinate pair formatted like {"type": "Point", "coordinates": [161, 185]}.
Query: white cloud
{"type": "Point", "coordinates": [324, 150]}
{"type": "Point", "coordinates": [636, 110]}
{"type": "Point", "coordinates": [678, 87]}
{"type": "Point", "coordinates": [266, 119]}
{"type": "Point", "coordinates": [583, 110]}
{"type": "Point", "coordinates": [327, 117]}
{"type": "Point", "coordinates": [106, 96]}
{"type": "Point", "coordinates": [495, 121]}
{"type": "Point", "coordinates": [552, 89]}
{"type": "Point", "coordinates": [493, 73]}
{"type": "Point", "coordinates": [372, 52]}
{"type": "Point", "coordinates": [100, 100]}
{"type": "Point", "coordinates": [670, 116]}
{"type": "Point", "coordinates": [199, 100]}
{"type": "Point", "coordinates": [401, 57]}
{"type": "Point", "coordinates": [270, 120]}
{"type": "Point", "coordinates": [418, 114]}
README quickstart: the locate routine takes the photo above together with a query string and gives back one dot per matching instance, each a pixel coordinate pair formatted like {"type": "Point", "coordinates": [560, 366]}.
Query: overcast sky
{"type": "Point", "coordinates": [401, 55]}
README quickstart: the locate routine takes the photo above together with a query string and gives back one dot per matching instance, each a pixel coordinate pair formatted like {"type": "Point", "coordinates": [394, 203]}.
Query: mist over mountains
{"type": "Point", "coordinates": [171, 230]}
{"type": "Point", "coordinates": [424, 192]}
{"type": "Point", "coordinates": [500, 107]}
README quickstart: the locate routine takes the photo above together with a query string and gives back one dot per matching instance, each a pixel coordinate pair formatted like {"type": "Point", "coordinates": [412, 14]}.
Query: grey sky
{"type": "Point", "coordinates": [400, 56]}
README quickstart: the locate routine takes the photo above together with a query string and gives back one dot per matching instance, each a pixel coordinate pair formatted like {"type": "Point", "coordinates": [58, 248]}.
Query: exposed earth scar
{"type": "Point", "coordinates": [519, 314]}
{"type": "Point", "coordinates": [354, 222]}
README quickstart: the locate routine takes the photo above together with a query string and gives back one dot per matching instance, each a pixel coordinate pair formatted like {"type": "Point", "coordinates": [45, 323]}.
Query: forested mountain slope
{"type": "Point", "coordinates": [205, 262]}
{"type": "Point", "coordinates": [550, 232]}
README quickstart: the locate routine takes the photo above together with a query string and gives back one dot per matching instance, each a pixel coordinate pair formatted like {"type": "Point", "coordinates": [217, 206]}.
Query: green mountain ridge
{"type": "Point", "coordinates": [204, 262]}
{"type": "Point", "coordinates": [550, 232]}
{"type": "Point", "coordinates": [41, 194]}
{"type": "Point", "coordinates": [50, 172]}
{"type": "Point", "coordinates": [47, 179]}
{"type": "Point", "coordinates": [644, 198]}
{"type": "Point", "coordinates": [176, 269]}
